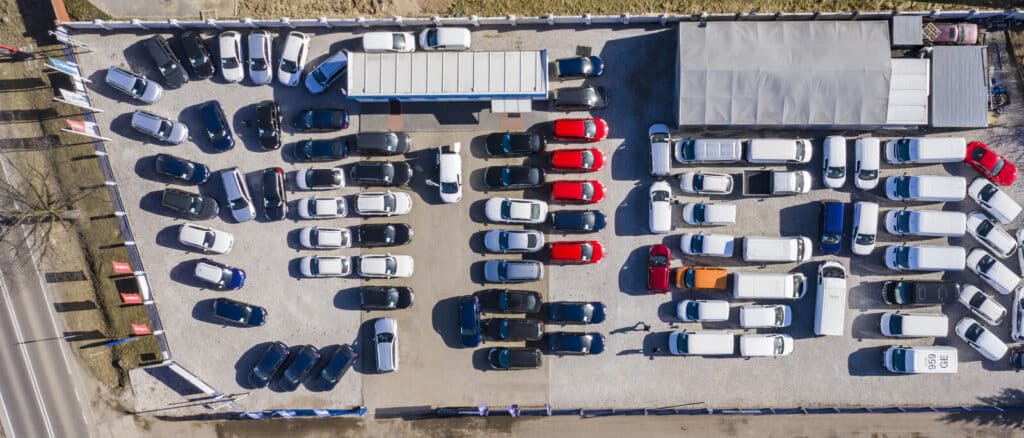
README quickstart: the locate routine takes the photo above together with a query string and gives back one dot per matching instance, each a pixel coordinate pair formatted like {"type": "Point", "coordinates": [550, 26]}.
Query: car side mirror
{"type": "Point", "coordinates": [432, 183]}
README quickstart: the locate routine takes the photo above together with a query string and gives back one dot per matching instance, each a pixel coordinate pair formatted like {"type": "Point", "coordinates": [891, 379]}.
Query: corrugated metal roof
{"type": "Point", "coordinates": [959, 91]}
{"type": "Point", "coordinates": [907, 30]}
{"type": "Point", "coordinates": [908, 92]}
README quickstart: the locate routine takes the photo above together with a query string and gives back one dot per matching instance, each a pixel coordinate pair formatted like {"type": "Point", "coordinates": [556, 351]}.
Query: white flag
{"type": "Point", "coordinates": [285, 414]}
{"type": "Point", "coordinates": [321, 413]}
{"type": "Point", "coordinates": [253, 415]}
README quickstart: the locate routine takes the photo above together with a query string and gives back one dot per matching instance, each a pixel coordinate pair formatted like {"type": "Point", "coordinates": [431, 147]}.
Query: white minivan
{"type": "Point", "coordinates": [833, 161]}
{"type": "Point", "coordinates": [766, 316]}
{"type": "Point", "coordinates": [925, 258]}
{"type": "Point", "coordinates": [776, 249]}
{"type": "Point", "coordinates": [865, 170]}
{"type": "Point", "coordinates": [926, 150]}
{"type": "Point", "coordinates": [702, 343]}
{"type": "Point", "coordinates": [768, 285]}
{"type": "Point", "coordinates": [779, 151]}
{"type": "Point", "coordinates": [865, 227]}
{"type": "Point", "coordinates": [908, 325]}
{"type": "Point", "coordinates": [926, 188]}
{"type": "Point", "coordinates": [830, 310]}
{"type": "Point", "coordinates": [765, 345]}
{"type": "Point", "coordinates": [920, 359]}
{"type": "Point", "coordinates": [933, 223]}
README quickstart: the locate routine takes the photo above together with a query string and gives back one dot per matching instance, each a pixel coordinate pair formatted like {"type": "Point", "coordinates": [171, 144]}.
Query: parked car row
{"type": "Point", "coordinates": [291, 366]}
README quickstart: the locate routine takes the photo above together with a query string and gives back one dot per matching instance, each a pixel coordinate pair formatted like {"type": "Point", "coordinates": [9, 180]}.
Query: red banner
{"type": "Point", "coordinates": [8, 50]}
{"type": "Point", "coordinates": [77, 125]}
{"type": "Point", "coordinates": [131, 298]}
{"type": "Point", "coordinates": [122, 267]}
{"type": "Point", "coordinates": [141, 329]}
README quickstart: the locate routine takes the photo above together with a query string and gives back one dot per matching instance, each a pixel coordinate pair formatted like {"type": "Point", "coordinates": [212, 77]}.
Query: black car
{"type": "Point", "coordinates": [218, 131]}
{"type": "Point", "coordinates": [514, 144]}
{"type": "Point", "coordinates": [516, 358]}
{"type": "Point", "coordinates": [268, 364]}
{"type": "Point", "coordinates": [513, 177]}
{"type": "Point", "coordinates": [385, 297]}
{"type": "Point", "coordinates": [919, 293]}
{"type": "Point", "coordinates": [197, 56]}
{"type": "Point", "coordinates": [376, 235]}
{"type": "Point", "coordinates": [237, 312]}
{"type": "Point", "coordinates": [338, 364]}
{"type": "Point", "coordinates": [275, 200]}
{"type": "Point", "coordinates": [574, 343]}
{"type": "Point", "coordinates": [380, 173]}
{"type": "Point", "coordinates": [268, 124]}
{"type": "Point", "coordinates": [299, 368]}
{"type": "Point", "coordinates": [578, 221]}
{"type": "Point", "coordinates": [508, 330]}
{"type": "Point", "coordinates": [322, 120]}
{"type": "Point", "coordinates": [320, 150]}
{"type": "Point", "coordinates": [190, 205]}
{"type": "Point", "coordinates": [580, 99]}
{"type": "Point", "coordinates": [380, 143]}
{"type": "Point", "coordinates": [578, 67]}
{"type": "Point", "coordinates": [574, 312]}
{"type": "Point", "coordinates": [165, 60]}
{"type": "Point", "coordinates": [469, 320]}
{"type": "Point", "coordinates": [181, 170]}
{"type": "Point", "coordinates": [1017, 359]}
{"type": "Point", "coordinates": [509, 301]}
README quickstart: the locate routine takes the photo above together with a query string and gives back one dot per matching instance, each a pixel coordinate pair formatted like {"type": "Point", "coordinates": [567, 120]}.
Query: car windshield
{"type": "Point", "coordinates": [587, 159]}
{"type": "Point", "coordinates": [896, 324]}
{"type": "Point", "coordinates": [977, 300]}
{"type": "Point", "coordinates": [449, 187]}
{"type": "Point", "coordinates": [780, 316]}
{"type": "Point", "coordinates": [901, 293]}
{"type": "Point", "coordinates": [534, 211]}
{"type": "Point", "coordinates": [432, 37]}
{"type": "Point", "coordinates": [833, 272]}
{"type": "Point", "coordinates": [165, 129]}
{"type": "Point", "coordinates": [986, 193]}
{"type": "Point", "coordinates": [589, 129]}
{"type": "Point", "coordinates": [503, 240]}
{"type": "Point", "coordinates": [699, 211]}
{"type": "Point", "coordinates": [257, 64]}
{"type": "Point", "coordinates": [398, 41]}
{"type": "Point", "coordinates": [903, 257]}
{"type": "Point", "coordinates": [138, 87]}
{"type": "Point", "coordinates": [209, 238]}
{"type": "Point", "coordinates": [659, 260]}
{"type": "Point", "coordinates": [903, 221]}
{"type": "Point", "coordinates": [779, 344]}
{"type": "Point", "coordinates": [503, 269]}
{"type": "Point", "coordinates": [468, 325]}
{"type": "Point", "coordinates": [831, 238]}
{"type": "Point", "coordinates": [586, 252]}
{"type": "Point", "coordinates": [996, 168]}
{"type": "Point", "coordinates": [384, 338]}
{"type": "Point", "coordinates": [903, 186]}
{"type": "Point", "coordinates": [903, 149]}
{"type": "Point", "coordinates": [688, 278]}
{"type": "Point", "coordinates": [688, 149]}
{"type": "Point", "coordinates": [289, 66]}
{"type": "Point", "coordinates": [195, 204]}
{"type": "Point", "coordinates": [867, 174]}
{"type": "Point", "coordinates": [588, 190]}
{"type": "Point", "coordinates": [504, 358]}
{"type": "Point", "coordinates": [974, 332]}
{"type": "Point", "coordinates": [681, 343]}
{"type": "Point", "coordinates": [984, 228]}
{"type": "Point", "coordinates": [986, 263]}
{"type": "Point", "coordinates": [693, 310]}
{"type": "Point", "coordinates": [506, 143]}
{"type": "Point", "coordinates": [506, 210]}
{"type": "Point", "coordinates": [238, 204]}
{"type": "Point", "coordinates": [697, 244]}
{"type": "Point", "coordinates": [661, 196]}
{"type": "Point", "coordinates": [835, 172]}
{"type": "Point", "coordinates": [899, 359]}
{"type": "Point", "coordinates": [865, 239]}
{"type": "Point", "coordinates": [698, 182]}
{"type": "Point", "coordinates": [229, 63]}
{"type": "Point", "coordinates": [389, 203]}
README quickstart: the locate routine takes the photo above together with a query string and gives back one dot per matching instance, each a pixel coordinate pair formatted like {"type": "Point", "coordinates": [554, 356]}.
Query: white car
{"type": "Point", "coordinates": [865, 227]}
{"type": "Point", "coordinates": [981, 339]}
{"type": "Point", "coordinates": [322, 208]}
{"type": "Point", "coordinates": [205, 238]}
{"type": "Point", "coordinates": [260, 58]}
{"type": "Point", "coordinates": [1020, 248]}
{"type": "Point", "coordinates": [387, 203]}
{"type": "Point", "coordinates": [320, 179]}
{"type": "Point", "coordinates": [661, 149]}
{"type": "Point", "coordinates": [325, 266]}
{"type": "Point", "coordinates": [996, 274]}
{"type": "Point", "coordinates": [159, 127]}
{"type": "Point", "coordinates": [713, 245]}
{"type": "Point", "coordinates": [230, 45]}
{"type": "Point", "coordinates": [982, 304]}
{"type": "Point", "coordinates": [660, 220]}
{"type": "Point", "coordinates": [513, 241]}
{"type": "Point", "coordinates": [385, 266]}
{"type": "Point", "coordinates": [449, 173]}
{"type": "Point", "coordinates": [865, 169]}
{"type": "Point", "coordinates": [706, 183]}
{"type": "Point", "coordinates": [766, 316]}
{"type": "Point", "coordinates": [1017, 331]}
{"type": "Point", "coordinates": [709, 214]}
{"type": "Point", "coordinates": [990, 235]}
{"type": "Point", "coordinates": [515, 211]}
{"type": "Point", "coordinates": [995, 201]}
{"type": "Point", "coordinates": [703, 310]}
{"type": "Point", "coordinates": [833, 161]}
{"type": "Point", "coordinates": [325, 237]}
{"type": "Point", "coordinates": [237, 193]}
{"type": "Point", "coordinates": [445, 38]}
{"type": "Point", "coordinates": [293, 59]}
{"type": "Point", "coordinates": [385, 342]}
{"type": "Point", "coordinates": [389, 42]}
{"type": "Point", "coordinates": [765, 345]}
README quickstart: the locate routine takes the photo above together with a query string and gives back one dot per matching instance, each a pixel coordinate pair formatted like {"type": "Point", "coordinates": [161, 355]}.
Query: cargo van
{"type": "Point", "coordinates": [702, 343]}
{"type": "Point", "coordinates": [920, 359]}
{"type": "Point", "coordinates": [768, 286]}
{"type": "Point", "coordinates": [925, 258]}
{"type": "Point", "coordinates": [777, 150]}
{"type": "Point", "coordinates": [926, 188]}
{"type": "Point", "coordinates": [776, 249]}
{"type": "Point", "coordinates": [926, 150]}
{"type": "Point", "coordinates": [926, 223]}
{"type": "Point", "coordinates": [830, 307]}
{"type": "Point", "coordinates": [865, 227]}
{"type": "Point", "coordinates": [908, 325]}
{"type": "Point", "coordinates": [707, 150]}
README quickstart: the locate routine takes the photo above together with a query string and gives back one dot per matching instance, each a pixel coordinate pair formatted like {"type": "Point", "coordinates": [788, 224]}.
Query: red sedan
{"type": "Point", "coordinates": [577, 160]}
{"type": "Point", "coordinates": [577, 252]}
{"type": "Point", "coordinates": [996, 168]}
{"type": "Point", "coordinates": [658, 260]}
{"type": "Point", "coordinates": [577, 192]}
{"type": "Point", "coordinates": [581, 130]}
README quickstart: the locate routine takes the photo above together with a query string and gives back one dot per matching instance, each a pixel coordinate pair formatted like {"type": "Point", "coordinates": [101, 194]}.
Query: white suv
{"type": "Point", "coordinates": [383, 203]}
{"type": "Point", "coordinates": [385, 266]}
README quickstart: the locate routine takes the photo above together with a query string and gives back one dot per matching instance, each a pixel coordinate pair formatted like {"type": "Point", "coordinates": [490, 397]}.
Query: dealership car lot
{"type": "Point", "coordinates": [448, 248]}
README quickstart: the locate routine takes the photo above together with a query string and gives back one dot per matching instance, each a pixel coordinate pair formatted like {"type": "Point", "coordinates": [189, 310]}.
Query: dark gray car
{"type": "Point", "coordinates": [580, 98]}
{"type": "Point", "coordinates": [380, 143]}
{"type": "Point", "coordinates": [380, 173]}
{"type": "Point", "coordinates": [385, 297]}
{"type": "Point", "coordinates": [166, 62]}
{"type": "Point", "coordinates": [190, 205]}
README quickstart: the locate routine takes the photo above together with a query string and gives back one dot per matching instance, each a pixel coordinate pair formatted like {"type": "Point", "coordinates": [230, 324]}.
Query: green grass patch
{"type": "Point", "coordinates": [83, 10]}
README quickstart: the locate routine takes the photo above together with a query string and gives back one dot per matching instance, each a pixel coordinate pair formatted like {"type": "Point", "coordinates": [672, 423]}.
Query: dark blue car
{"type": "Point", "coordinates": [218, 131]}
{"type": "Point", "coordinates": [579, 67]}
{"type": "Point", "coordinates": [575, 312]}
{"type": "Point", "coordinates": [182, 170]}
{"type": "Point", "coordinates": [268, 364]}
{"type": "Point", "coordinates": [574, 343]}
{"type": "Point", "coordinates": [578, 221]}
{"type": "Point", "coordinates": [320, 150]}
{"type": "Point", "coordinates": [832, 213]}
{"type": "Point", "coordinates": [469, 320]}
{"type": "Point", "coordinates": [237, 312]}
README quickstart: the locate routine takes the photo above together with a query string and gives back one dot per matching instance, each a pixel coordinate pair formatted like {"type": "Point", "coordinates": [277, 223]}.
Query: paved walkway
{"type": "Point", "coordinates": [167, 8]}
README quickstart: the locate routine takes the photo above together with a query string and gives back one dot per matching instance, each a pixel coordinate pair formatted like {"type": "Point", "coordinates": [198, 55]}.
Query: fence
{"type": "Point", "coordinates": [547, 411]}
{"type": "Point", "coordinates": [512, 20]}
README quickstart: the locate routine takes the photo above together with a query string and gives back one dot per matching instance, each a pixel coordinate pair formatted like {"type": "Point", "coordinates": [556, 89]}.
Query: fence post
{"type": "Point", "coordinates": [173, 22]}
{"type": "Point", "coordinates": [970, 14]}
{"type": "Point", "coordinates": [287, 22]}
{"type": "Point", "coordinates": [587, 19]}
{"type": "Point", "coordinates": [212, 23]}
{"type": "Point", "coordinates": [474, 20]}
{"type": "Point", "coordinates": [663, 18]}
{"type": "Point", "coordinates": [436, 20]}
{"type": "Point", "coordinates": [362, 21]}
{"type": "Point", "coordinates": [551, 19]}
{"type": "Point", "coordinates": [398, 21]}
{"type": "Point", "coordinates": [511, 19]}
{"type": "Point", "coordinates": [935, 13]}
{"type": "Point", "coordinates": [323, 22]}
{"type": "Point", "coordinates": [138, 23]}
{"type": "Point", "coordinates": [625, 18]}
{"type": "Point", "coordinates": [854, 14]}
{"type": "Point", "coordinates": [248, 20]}
{"type": "Point", "coordinates": [101, 24]}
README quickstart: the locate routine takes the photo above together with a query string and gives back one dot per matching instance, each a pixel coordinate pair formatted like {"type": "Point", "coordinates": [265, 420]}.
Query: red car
{"type": "Point", "coordinates": [996, 168]}
{"type": "Point", "coordinates": [658, 260]}
{"type": "Point", "coordinates": [579, 252]}
{"type": "Point", "coordinates": [581, 130]}
{"type": "Point", "coordinates": [577, 160]}
{"type": "Point", "coordinates": [577, 192]}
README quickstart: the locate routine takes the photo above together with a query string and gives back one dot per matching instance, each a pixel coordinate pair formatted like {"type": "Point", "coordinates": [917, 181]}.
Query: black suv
{"type": "Point", "coordinates": [168, 64]}
{"type": "Point", "coordinates": [516, 358]}
{"type": "Point", "coordinates": [197, 56]}
{"type": "Point", "coordinates": [380, 173]}
{"type": "Point", "coordinates": [275, 201]}
{"type": "Point", "coordinates": [375, 235]}
{"type": "Point", "coordinates": [513, 177]}
{"type": "Point", "coordinates": [268, 364]}
{"type": "Point", "coordinates": [190, 205]}
{"type": "Point", "coordinates": [507, 330]}
{"type": "Point", "coordinates": [509, 301]}
{"type": "Point", "coordinates": [919, 293]}
{"type": "Point", "coordinates": [578, 221]}
{"type": "Point", "coordinates": [580, 99]}
{"type": "Point", "coordinates": [380, 143]}
{"type": "Point", "coordinates": [339, 363]}
{"type": "Point", "coordinates": [320, 150]}
{"type": "Point", "coordinates": [268, 124]}
{"type": "Point", "coordinates": [218, 130]}
{"type": "Point", "coordinates": [514, 144]}
{"type": "Point", "coordinates": [299, 368]}
{"type": "Point", "coordinates": [385, 297]}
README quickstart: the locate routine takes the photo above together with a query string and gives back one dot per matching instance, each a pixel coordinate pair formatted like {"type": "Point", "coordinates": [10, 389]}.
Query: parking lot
{"type": "Point", "coordinates": [448, 250]}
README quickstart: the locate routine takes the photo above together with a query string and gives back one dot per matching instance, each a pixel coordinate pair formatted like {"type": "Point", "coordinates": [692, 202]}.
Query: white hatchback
{"type": "Point", "coordinates": [387, 203]}
{"type": "Point", "coordinates": [515, 211]}
{"type": "Point", "coordinates": [389, 42]}
{"type": "Point", "coordinates": [712, 245]}
{"type": "Point", "coordinates": [445, 38]}
{"type": "Point", "coordinates": [995, 201]}
{"type": "Point", "coordinates": [385, 266]}
{"type": "Point", "coordinates": [259, 59]}
{"type": "Point", "coordinates": [709, 214]}
{"type": "Point", "coordinates": [996, 274]}
{"type": "Point", "coordinates": [205, 238]}
{"type": "Point", "coordinates": [230, 45]}
{"type": "Point", "coordinates": [865, 169]}
{"type": "Point", "coordinates": [325, 266]}
{"type": "Point", "coordinates": [706, 183]}
{"type": "Point", "coordinates": [293, 59]}
{"type": "Point", "coordinates": [449, 173]}
{"type": "Point", "coordinates": [833, 161]}
{"type": "Point", "coordinates": [660, 219]}
{"type": "Point", "coordinates": [990, 235]}
{"type": "Point", "coordinates": [322, 208]}
{"type": "Point", "coordinates": [982, 304]}
{"type": "Point", "coordinates": [981, 339]}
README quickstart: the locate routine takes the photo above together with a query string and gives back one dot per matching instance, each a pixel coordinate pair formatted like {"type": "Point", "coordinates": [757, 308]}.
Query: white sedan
{"type": "Point", "coordinates": [293, 59]}
{"type": "Point", "coordinates": [706, 183]}
{"type": "Point", "coordinates": [383, 203]}
{"type": "Point", "coordinates": [709, 214]}
{"type": "Point", "coordinates": [445, 38]}
{"type": "Point", "coordinates": [981, 339]}
{"type": "Point", "coordinates": [661, 207]}
{"type": "Point", "coordinates": [230, 45]}
{"type": "Point", "coordinates": [712, 245]}
{"type": "Point", "coordinates": [260, 42]}
{"type": "Point", "coordinates": [995, 201]}
{"type": "Point", "coordinates": [325, 266]}
{"type": "Point", "coordinates": [325, 238]}
{"type": "Point", "coordinates": [996, 274]}
{"type": "Point", "coordinates": [765, 345]}
{"type": "Point", "coordinates": [703, 310]}
{"type": "Point", "coordinates": [515, 211]}
{"type": "Point", "coordinates": [389, 42]}
{"type": "Point", "coordinates": [385, 266]}
{"type": "Point", "coordinates": [982, 304]}
{"type": "Point", "coordinates": [322, 208]}
{"type": "Point", "coordinates": [990, 235]}
{"type": "Point", "coordinates": [205, 238]}
{"type": "Point", "coordinates": [513, 241]}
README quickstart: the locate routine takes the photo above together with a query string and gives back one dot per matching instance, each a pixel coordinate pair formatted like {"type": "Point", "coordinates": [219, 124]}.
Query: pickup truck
{"type": "Point", "coordinates": [775, 182]}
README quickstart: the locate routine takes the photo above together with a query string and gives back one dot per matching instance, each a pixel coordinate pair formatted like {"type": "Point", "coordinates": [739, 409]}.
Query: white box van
{"type": "Point", "coordinates": [702, 343]}
{"type": "Point", "coordinates": [707, 150]}
{"type": "Point", "coordinates": [926, 188]}
{"type": "Point", "coordinates": [777, 150]}
{"type": "Point", "coordinates": [777, 249]}
{"type": "Point", "coordinates": [926, 150]}
{"type": "Point", "coordinates": [768, 285]}
{"type": "Point", "coordinates": [865, 227]}
{"type": "Point", "coordinates": [908, 325]}
{"type": "Point", "coordinates": [925, 258]}
{"type": "Point", "coordinates": [926, 223]}
{"type": "Point", "coordinates": [921, 359]}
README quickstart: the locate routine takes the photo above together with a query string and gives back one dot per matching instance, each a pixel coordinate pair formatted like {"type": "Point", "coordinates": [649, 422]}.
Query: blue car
{"type": "Point", "coordinates": [326, 73]}
{"type": "Point", "coordinates": [218, 131]}
{"type": "Point", "coordinates": [574, 343]}
{"type": "Point", "coordinates": [575, 312]}
{"type": "Point", "coordinates": [219, 275]}
{"type": "Point", "coordinates": [832, 213]}
{"type": "Point", "coordinates": [469, 320]}
{"type": "Point", "coordinates": [181, 170]}
{"type": "Point", "coordinates": [579, 67]}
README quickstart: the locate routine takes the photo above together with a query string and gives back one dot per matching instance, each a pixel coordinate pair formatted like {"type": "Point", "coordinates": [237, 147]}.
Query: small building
{"type": "Point", "coordinates": [959, 87]}
{"type": "Point", "coordinates": [907, 31]}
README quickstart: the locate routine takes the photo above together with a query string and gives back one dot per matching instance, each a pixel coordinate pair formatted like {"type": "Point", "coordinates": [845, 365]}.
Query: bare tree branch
{"type": "Point", "coordinates": [30, 201]}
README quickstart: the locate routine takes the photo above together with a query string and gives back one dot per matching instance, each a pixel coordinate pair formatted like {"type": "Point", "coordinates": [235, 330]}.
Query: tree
{"type": "Point", "coordinates": [31, 207]}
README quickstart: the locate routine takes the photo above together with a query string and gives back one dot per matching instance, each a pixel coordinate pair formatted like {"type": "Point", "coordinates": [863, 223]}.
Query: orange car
{"type": "Point", "coordinates": [700, 277]}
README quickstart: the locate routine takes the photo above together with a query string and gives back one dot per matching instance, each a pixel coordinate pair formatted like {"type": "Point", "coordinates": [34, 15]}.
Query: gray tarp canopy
{"type": "Point", "coordinates": [797, 73]}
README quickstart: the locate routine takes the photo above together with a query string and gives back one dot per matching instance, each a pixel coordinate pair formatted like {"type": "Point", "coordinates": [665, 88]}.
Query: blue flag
{"type": "Point", "coordinates": [112, 344]}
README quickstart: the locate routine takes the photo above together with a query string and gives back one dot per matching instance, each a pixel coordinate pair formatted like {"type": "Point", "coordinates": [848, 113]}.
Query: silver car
{"type": "Point", "coordinates": [136, 86]}
{"type": "Point", "coordinates": [513, 271]}
{"type": "Point", "coordinates": [513, 241]}
{"type": "Point", "coordinates": [159, 127]}
{"type": "Point", "coordinates": [237, 192]}
{"type": "Point", "coordinates": [385, 342]}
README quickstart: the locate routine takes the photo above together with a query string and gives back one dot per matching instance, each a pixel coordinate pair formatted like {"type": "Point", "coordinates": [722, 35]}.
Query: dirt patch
{"type": "Point", "coordinates": [82, 10]}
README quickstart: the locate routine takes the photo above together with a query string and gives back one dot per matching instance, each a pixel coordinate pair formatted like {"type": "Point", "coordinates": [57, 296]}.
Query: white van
{"type": "Point", "coordinates": [865, 169]}
{"type": "Point", "coordinates": [926, 223]}
{"type": "Point", "coordinates": [706, 150]}
{"type": "Point", "coordinates": [777, 150]}
{"type": "Point", "coordinates": [926, 150]}
{"type": "Point", "coordinates": [702, 343]}
{"type": "Point", "coordinates": [765, 345]}
{"type": "Point", "coordinates": [925, 258]}
{"type": "Point", "coordinates": [908, 325]}
{"type": "Point", "coordinates": [830, 310]}
{"type": "Point", "coordinates": [833, 162]}
{"type": "Point", "coordinates": [865, 227]}
{"type": "Point", "coordinates": [920, 359]}
{"type": "Point", "coordinates": [777, 249]}
{"type": "Point", "coordinates": [926, 188]}
{"type": "Point", "coordinates": [768, 285]}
